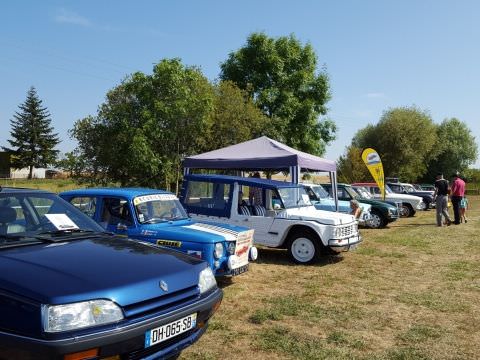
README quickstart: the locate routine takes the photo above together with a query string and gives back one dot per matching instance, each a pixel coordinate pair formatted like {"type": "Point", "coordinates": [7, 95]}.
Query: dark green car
{"type": "Point", "coordinates": [383, 212]}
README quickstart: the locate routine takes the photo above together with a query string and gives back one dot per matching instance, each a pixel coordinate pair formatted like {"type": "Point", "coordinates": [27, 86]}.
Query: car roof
{"type": "Point", "coordinates": [125, 192]}
{"type": "Point", "coordinates": [19, 190]}
{"type": "Point", "coordinates": [259, 182]}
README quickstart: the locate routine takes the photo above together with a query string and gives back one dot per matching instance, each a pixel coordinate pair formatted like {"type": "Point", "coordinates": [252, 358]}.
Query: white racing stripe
{"type": "Point", "coordinates": [227, 234]}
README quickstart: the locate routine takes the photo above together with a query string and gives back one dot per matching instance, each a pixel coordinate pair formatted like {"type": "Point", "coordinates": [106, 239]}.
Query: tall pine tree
{"type": "Point", "coordinates": [33, 140]}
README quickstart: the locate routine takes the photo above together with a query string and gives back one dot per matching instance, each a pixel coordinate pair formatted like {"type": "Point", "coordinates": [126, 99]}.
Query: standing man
{"type": "Point", "coordinates": [441, 202]}
{"type": "Point", "coordinates": [457, 192]}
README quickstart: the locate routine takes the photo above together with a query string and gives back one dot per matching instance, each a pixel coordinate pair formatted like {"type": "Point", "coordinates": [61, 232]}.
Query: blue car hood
{"type": "Point", "coordinates": [200, 232]}
{"type": "Point", "coordinates": [123, 270]}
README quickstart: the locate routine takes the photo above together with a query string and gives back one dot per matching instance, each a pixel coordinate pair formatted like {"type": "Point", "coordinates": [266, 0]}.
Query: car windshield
{"type": "Point", "coordinates": [359, 193]}
{"type": "Point", "coordinates": [320, 191]}
{"type": "Point", "coordinates": [157, 208]}
{"type": "Point", "coordinates": [293, 197]}
{"type": "Point", "coordinates": [409, 188]}
{"type": "Point", "coordinates": [29, 217]}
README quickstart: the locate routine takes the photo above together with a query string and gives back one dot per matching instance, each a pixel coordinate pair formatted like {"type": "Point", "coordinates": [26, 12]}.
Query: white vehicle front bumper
{"type": "Point", "coordinates": [341, 245]}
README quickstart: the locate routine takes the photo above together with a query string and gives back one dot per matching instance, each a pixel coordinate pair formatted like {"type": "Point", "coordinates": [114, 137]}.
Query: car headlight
{"type": "Point", "coordinates": [218, 252]}
{"type": "Point", "coordinates": [206, 280]}
{"type": "Point", "coordinates": [80, 315]}
{"type": "Point", "coordinates": [231, 247]}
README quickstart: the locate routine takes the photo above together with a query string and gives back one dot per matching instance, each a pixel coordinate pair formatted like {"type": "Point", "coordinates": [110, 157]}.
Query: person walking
{"type": "Point", "coordinates": [441, 199]}
{"type": "Point", "coordinates": [456, 194]}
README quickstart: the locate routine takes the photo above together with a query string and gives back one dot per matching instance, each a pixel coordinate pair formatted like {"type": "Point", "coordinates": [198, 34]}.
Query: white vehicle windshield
{"type": "Point", "coordinates": [158, 208]}
{"type": "Point", "coordinates": [320, 192]}
{"type": "Point", "coordinates": [361, 192]}
{"type": "Point", "coordinates": [388, 190]}
{"type": "Point", "coordinates": [294, 197]}
{"type": "Point", "coordinates": [409, 188]}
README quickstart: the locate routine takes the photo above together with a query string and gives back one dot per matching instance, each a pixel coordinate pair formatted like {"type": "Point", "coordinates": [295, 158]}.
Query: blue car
{"type": "Point", "coordinates": [157, 216]}
{"type": "Point", "coordinates": [69, 290]}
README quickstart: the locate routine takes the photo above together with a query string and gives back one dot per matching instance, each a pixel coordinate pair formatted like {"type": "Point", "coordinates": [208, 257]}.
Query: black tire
{"type": "Point", "coordinates": [304, 247]}
{"type": "Point", "coordinates": [406, 210]}
{"type": "Point", "coordinates": [378, 220]}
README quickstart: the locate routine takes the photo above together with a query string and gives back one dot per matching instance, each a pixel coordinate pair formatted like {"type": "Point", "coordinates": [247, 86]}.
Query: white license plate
{"type": "Point", "coordinates": [170, 330]}
{"type": "Point", "coordinates": [240, 270]}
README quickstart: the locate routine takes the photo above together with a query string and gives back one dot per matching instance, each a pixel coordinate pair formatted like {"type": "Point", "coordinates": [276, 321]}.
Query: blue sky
{"type": "Point", "coordinates": [378, 54]}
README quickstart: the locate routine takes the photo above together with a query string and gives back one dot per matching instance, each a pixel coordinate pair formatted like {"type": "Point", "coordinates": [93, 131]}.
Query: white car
{"type": "Point", "coordinates": [409, 203]}
{"type": "Point", "coordinates": [281, 215]}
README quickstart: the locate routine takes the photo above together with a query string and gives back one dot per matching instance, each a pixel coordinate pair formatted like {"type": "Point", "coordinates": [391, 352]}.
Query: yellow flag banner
{"type": "Point", "coordinates": [374, 164]}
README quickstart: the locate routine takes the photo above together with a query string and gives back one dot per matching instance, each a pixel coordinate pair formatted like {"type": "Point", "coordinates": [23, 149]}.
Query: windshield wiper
{"type": "Point", "coordinates": [8, 238]}
{"type": "Point", "coordinates": [154, 220]}
{"type": "Point", "coordinates": [64, 232]}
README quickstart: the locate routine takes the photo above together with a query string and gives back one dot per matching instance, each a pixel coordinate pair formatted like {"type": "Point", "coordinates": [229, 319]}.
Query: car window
{"type": "Point", "coordinates": [207, 195]}
{"type": "Point", "coordinates": [396, 188]}
{"type": "Point", "coordinates": [294, 197]}
{"type": "Point", "coordinates": [85, 204]}
{"type": "Point", "coordinates": [115, 211]}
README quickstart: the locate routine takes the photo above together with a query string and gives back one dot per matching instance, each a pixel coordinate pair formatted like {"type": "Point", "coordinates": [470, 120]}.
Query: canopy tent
{"type": "Point", "coordinates": [262, 153]}
{"type": "Point", "coordinates": [258, 154]}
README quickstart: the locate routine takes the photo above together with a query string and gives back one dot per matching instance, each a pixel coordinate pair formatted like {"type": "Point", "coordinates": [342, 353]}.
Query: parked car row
{"type": "Point", "coordinates": [131, 272]}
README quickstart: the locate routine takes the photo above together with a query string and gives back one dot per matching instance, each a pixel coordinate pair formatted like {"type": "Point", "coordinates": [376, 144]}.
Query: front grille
{"type": "Point", "coordinates": [346, 231]}
{"type": "Point", "coordinates": [167, 302]}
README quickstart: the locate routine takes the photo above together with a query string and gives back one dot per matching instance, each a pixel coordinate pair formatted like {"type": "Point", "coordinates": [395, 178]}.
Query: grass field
{"type": "Point", "coordinates": [410, 291]}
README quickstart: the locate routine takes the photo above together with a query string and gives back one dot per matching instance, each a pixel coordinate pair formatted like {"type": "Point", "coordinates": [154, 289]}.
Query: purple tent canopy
{"type": "Point", "coordinates": [258, 154]}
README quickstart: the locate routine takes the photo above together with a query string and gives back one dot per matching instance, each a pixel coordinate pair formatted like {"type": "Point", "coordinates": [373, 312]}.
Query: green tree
{"type": "Point", "coordinates": [281, 76]}
{"type": "Point", "coordinates": [146, 126]}
{"type": "Point", "coordinates": [405, 139]}
{"type": "Point", "coordinates": [235, 118]}
{"type": "Point", "coordinates": [33, 140]}
{"type": "Point", "coordinates": [456, 149]}
{"type": "Point", "coordinates": [351, 168]}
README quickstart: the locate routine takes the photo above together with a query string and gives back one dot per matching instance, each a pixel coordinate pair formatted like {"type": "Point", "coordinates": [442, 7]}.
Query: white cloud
{"type": "Point", "coordinates": [65, 16]}
{"type": "Point", "coordinates": [376, 95]}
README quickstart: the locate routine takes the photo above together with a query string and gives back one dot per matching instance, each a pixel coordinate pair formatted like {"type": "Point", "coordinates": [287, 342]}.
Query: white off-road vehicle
{"type": "Point", "coordinates": [280, 213]}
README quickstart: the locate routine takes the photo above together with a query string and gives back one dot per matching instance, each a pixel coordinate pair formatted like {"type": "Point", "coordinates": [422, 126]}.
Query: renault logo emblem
{"type": "Point", "coordinates": [163, 285]}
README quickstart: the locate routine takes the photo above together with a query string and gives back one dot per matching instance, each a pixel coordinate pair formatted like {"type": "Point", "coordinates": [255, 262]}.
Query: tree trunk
{"type": "Point", "coordinates": [30, 172]}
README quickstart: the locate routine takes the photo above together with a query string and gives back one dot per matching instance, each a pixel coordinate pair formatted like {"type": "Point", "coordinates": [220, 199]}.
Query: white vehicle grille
{"type": "Point", "coordinates": [346, 231]}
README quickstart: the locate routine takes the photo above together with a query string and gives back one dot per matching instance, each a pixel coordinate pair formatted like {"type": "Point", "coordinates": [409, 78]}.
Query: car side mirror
{"type": "Point", "coordinates": [276, 207]}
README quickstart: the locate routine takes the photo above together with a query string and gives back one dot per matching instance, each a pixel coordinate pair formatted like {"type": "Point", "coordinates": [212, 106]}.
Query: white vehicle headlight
{"type": "Point", "coordinates": [218, 252]}
{"type": "Point", "coordinates": [206, 280]}
{"type": "Point", "coordinates": [231, 247]}
{"type": "Point", "coordinates": [80, 315]}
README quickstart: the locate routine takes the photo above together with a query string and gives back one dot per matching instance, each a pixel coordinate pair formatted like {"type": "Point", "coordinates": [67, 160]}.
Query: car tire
{"type": "Point", "coordinates": [378, 220]}
{"type": "Point", "coordinates": [304, 247]}
{"type": "Point", "coordinates": [406, 210]}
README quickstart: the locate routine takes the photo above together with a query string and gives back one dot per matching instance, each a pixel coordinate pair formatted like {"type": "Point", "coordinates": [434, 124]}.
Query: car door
{"type": "Point", "coordinates": [116, 216]}
{"type": "Point", "coordinates": [255, 216]}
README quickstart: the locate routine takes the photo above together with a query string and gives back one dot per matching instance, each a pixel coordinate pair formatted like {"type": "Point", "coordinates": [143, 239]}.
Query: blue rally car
{"type": "Point", "coordinates": [69, 290]}
{"type": "Point", "coordinates": [157, 216]}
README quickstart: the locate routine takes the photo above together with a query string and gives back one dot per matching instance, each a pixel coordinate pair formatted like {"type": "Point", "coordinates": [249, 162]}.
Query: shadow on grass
{"type": "Point", "coordinates": [430, 224]}
{"type": "Point", "coordinates": [280, 257]}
